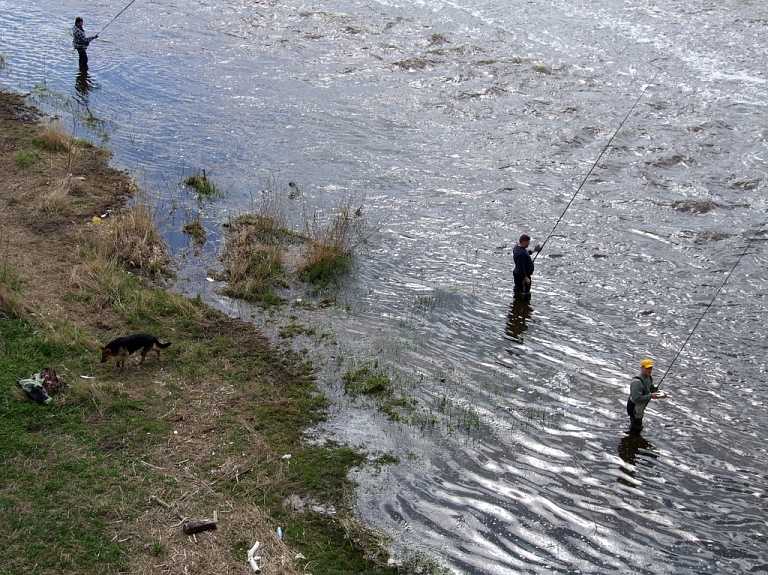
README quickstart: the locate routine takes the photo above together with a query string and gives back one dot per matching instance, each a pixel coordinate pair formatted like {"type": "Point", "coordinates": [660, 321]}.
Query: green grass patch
{"type": "Point", "coordinates": [325, 271]}
{"type": "Point", "coordinates": [26, 158]}
{"type": "Point", "coordinates": [56, 485]}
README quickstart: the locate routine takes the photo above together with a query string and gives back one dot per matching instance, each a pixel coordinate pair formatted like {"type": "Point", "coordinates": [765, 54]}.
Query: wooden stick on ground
{"type": "Point", "coordinates": [193, 527]}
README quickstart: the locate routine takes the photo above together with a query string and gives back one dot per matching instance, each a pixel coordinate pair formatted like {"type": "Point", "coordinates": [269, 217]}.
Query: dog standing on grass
{"type": "Point", "coordinates": [122, 347]}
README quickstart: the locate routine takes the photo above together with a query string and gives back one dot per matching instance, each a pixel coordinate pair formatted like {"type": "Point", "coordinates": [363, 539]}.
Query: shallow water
{"type": "Point", "coordinates": [465, 124]}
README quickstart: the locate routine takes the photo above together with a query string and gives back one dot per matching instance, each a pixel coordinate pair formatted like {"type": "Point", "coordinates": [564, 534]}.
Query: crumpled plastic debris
{"type": "Point", "coordinates": [253, 559]}
{"type": "Point", "coordinates": [40, 386]}
{"type": "Point", "coordinates": [34, 389]}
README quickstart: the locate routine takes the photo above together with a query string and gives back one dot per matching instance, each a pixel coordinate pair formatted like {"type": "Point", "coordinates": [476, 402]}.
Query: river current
{"type": "Point", "coordinates": [463, 124]}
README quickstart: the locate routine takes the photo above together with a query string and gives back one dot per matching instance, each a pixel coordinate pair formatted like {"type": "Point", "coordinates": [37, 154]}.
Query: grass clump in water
{"type": "Point", "coordinates": [414, 63]}
{"type": "Point", "coordinates": [375, 383]}
{"type": "Point", "coordinates": [330, 252]}
{"type": "Point", "coordinates": [263, 254]}
{"type": "Point", "coordinates": [254, 256]}
{"type": "Point", "coordinates": [196, 231]}
{"type": "Point", "coordinates": [203, 185]}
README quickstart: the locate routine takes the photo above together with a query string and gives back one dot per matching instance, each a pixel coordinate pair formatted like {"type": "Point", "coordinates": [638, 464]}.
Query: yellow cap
{"type": "Point", "coordinates": [646, 363]}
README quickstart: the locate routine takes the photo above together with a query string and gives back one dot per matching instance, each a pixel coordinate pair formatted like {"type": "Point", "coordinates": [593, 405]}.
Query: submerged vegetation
{"type": "Point", "coordinates": [196, 231]}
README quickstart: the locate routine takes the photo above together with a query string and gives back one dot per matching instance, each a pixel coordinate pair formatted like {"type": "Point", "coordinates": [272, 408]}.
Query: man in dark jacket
{"type": "Point", "coordinates": [641, 391]}
{"type": "Point", "coordinates": [80, 42]}
{"type": "Point", "coordinates": [523, 266]}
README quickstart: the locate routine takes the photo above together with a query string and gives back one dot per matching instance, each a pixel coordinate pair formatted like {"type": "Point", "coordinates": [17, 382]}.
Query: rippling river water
{"type": "Point", "coordinates": [465, 124]}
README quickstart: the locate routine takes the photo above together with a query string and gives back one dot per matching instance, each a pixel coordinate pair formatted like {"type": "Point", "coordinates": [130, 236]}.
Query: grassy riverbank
{"type": "Point", "coordinates": [103, 478]}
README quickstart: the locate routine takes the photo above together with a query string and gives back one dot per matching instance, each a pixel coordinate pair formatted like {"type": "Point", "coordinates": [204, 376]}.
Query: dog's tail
{"type": "Point", "coordinates": [162, 345]}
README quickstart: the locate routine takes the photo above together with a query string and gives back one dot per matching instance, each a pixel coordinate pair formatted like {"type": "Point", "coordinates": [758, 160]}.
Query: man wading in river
{"type": "Point", "coordinates": [641, 391]}
{"type": "Point", "coordinates": [523, 266]}
{"type": "Point", "coordinates": [80, 42]}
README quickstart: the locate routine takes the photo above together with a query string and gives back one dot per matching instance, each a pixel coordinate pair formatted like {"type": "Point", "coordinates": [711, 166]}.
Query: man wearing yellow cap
{"type": "Point", "coordinates": [641, 391]}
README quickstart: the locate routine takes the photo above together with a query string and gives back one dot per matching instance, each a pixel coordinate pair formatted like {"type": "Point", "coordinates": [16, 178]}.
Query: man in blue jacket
{"type": "Point", "coordinates": [523, 266]}
{"type": "Point", "coordinates": [80, 42]}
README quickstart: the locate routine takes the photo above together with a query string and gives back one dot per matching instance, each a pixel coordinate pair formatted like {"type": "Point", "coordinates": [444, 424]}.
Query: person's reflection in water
{"type": "Point", "coordinates": [517, 319]}
{"type": "Point", "coordinates": [629, 447]}
{"type": "Point", "coordinates": [83, 85]}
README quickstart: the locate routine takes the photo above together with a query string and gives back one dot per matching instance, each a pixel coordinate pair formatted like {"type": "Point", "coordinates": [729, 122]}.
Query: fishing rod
{"type": "Point", "coordinates": [749, 244]}
{"type": "Point", "coordinates": [115, 18]}
{"type": "Point", "coordinates": [607, 145]}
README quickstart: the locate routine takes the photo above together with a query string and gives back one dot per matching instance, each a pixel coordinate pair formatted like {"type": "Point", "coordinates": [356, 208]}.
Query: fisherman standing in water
{"type": "Point", "coordinates": [80, 42]}
{"type": "Point", "coordinates": [523, 266]}
{"type": "Point", "coordinates": [641, 391]}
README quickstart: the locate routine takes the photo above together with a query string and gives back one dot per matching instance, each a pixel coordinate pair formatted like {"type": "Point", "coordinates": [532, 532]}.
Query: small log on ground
{"type": "Point", "coordinates": [192, 527]}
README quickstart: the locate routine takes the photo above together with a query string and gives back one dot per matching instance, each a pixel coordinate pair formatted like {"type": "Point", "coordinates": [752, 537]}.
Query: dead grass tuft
{"type": "Point", "coordinates": [57, 200]}
{"type": "Point", "coordinates": [196, 231]}
{"type": "Point", "coordinates": [130, 239]}
{"type": "Point", "coordinates": [100, 278]}
{"type": "Point", "coordinates": [255, 251]}
{"type": "Point", "coordinates": [54, 138]}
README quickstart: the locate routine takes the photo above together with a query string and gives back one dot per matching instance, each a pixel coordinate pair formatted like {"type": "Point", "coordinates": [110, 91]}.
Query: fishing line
{"type": "Point", "coordinates": [648, 85]}
{"type": "Point", "coordinates": [115, 18]}
{"type": "Point", "coordinates": [749, 244]}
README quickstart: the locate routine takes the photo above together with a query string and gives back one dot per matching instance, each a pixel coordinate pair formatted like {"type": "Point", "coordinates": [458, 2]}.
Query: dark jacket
{"type": "Point", "coordinates": [523, 261]}
{"type": "Point", "coordinates": [79, 39]}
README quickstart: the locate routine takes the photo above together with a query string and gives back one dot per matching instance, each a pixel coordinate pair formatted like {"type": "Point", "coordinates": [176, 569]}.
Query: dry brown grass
{"type": "Point", "coordinates": [54, 138]}
{"type": "Point", "coordinates": [256, 249]}
{"type": "Point", "coordinates": [253, 261]}
{"type": "Point", "coordinates": [57, 200]}
{"type": "Point", "coordinates": [98, 275]}
{"type": "Point", "coordinates": [131, 239]}
{"type": "Point", "coordinates": [192, 490]}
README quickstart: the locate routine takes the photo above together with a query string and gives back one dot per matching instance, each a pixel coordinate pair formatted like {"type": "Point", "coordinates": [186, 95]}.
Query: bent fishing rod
{"type": "Point", "coordinates": [115, 18]}
{"type": "Point", "coordinates": [607, 145]}
{"type": "Point", "coordinates": [743, 253]}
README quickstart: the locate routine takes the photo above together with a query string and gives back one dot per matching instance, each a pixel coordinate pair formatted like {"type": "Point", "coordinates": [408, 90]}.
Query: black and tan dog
{"type": "Point", "coordinates": [122, 347]}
